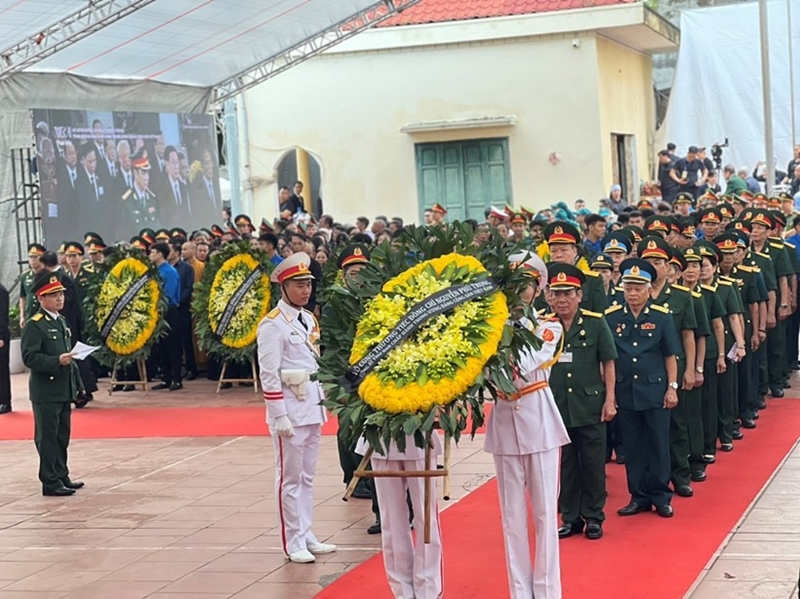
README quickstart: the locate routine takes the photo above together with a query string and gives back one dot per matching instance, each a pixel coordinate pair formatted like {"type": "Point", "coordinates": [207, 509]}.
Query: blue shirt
{"type": "Point", "coordinates": [593, 247]}
{"type": "Point", "coordinates": [276, 259]}
{"type": "Point", "coordinates": [172, 283]}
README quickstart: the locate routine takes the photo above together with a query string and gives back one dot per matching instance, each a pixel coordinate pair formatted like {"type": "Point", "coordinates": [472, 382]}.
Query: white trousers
{"type": "Point", "coordinates": [414, 569]}
{"type": "Point", "coordinates": [295, 466]}
{"type": "Point", "coordinates": [538, 473]}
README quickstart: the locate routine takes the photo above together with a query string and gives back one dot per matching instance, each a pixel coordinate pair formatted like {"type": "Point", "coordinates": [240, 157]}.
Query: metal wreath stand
{"type": "Point", "coordinates": [427, 474]}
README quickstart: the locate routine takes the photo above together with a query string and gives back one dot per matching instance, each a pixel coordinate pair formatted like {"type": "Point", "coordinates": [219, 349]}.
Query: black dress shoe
{"type": "Point", "coordinates": [81, 401]}
{"type": "Point", "coordinates": [190, 376]}
{"type": "Point", "coordinates": [59, 492]}
{"type": "Point", "coordinates": [776, 393]}
{"type": "Point", "coordinates": [709, 459]}
{"type": "Point", "coordinates": [226, 385]}
{"type": "Point", "coordinates": [160, 386]}
{"type": "Point", "coordinates": [116, 388]}
{"type": "Point", "coordinates": [633, 508]}
{"type": "Point", "coordinates": [128, 388]}
{"type": "Point", "coordinates": [737, 435]}
{"type": "Point", "coordinates": [756, 416]}
{"type": "Point", "coordinates": [665, 511]}
{"type": "Point", "coordinates": [5, 408]}
{"type": "Point", "coordinates": [73, 484]}
{"type": "Point", "coordinates": [748, 423]}
{"type": "Point", "coordinates": [620, 458]}
{"type": "Point", "coordinates": [762, 404]}
{"type": "Point", "coordinates": [594, 530]}
{"type": "Point", "coordinates": [698, 476]}
{"type": "Point", "coordinates": [726, 447]}
{"type": "Point", "coordinates": [361, 491]}
{"type": "Point", "coordinates": [567, 529]}
{"type": "Point", "coordinates": [375, 529]}
{"type": "Point", "coordinates": [176, 386]}
{"type": "Point", "coordinates": [683, 491]}
{"type": "Point", "coordinates": [787, 385]}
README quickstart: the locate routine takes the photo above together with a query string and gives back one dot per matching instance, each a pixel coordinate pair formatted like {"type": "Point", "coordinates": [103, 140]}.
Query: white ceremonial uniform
{"type": "Point", "coordinates": [284, 344]}
{"type": "Point", "coordinates": [525, 437]}
{"type": "Point", "coordinates": [414, 569]}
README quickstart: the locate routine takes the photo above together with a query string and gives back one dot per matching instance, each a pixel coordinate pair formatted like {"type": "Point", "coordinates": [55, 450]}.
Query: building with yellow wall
{"type": "Point", "coordinates": [525, 109]}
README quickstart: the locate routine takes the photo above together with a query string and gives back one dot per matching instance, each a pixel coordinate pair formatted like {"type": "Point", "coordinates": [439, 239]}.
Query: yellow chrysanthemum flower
{"type": "Point", "coordinates": [138, 321]}
{"type": "Point", "coordinates": [250, 309]}
{"type": "Point", "coordinates": [443, 358]}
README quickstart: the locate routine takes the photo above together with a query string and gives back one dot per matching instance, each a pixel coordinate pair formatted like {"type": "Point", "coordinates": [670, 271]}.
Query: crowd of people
{"type": "Point", "coordinates": [666, 326]}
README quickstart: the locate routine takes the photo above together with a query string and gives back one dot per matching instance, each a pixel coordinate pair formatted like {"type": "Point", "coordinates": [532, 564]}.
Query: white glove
{"type": "Point", "coordinates": [283, 426]}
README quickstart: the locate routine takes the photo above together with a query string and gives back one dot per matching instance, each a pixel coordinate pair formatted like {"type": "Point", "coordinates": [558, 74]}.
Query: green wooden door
{"type": "Point", "coordinates": [466, 177]}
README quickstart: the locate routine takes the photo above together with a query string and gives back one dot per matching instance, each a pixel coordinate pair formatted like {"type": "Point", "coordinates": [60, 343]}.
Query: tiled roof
{"type": "Point", "coordinates": [439, 11]}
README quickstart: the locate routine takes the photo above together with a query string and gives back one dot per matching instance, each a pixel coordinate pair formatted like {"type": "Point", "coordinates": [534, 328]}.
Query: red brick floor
{"type": "Point", "coordinates": [177, 518]}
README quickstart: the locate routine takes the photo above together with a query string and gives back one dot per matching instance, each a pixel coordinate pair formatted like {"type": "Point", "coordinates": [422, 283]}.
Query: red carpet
{"type": "Point", "coordinates": [639, 556]}
{"type": "Point", "coordinates": [131, 423]}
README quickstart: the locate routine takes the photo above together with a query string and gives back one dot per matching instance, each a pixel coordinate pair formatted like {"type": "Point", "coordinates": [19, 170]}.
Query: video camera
{"type": "Point", "coordinates": [716, 153]}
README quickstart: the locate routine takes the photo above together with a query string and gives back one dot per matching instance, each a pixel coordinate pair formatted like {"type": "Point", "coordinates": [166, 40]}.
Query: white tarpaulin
{"type": "Point", "coordinates": [717, 88]}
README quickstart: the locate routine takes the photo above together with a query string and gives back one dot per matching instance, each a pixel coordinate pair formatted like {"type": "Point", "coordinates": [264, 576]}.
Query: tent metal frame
{"type": "Point", "coordinates": [307, 48]}
{"type": "Point", "coordinates": [27, 203]}
{"type": "Point", "coordinates": [96, 15]}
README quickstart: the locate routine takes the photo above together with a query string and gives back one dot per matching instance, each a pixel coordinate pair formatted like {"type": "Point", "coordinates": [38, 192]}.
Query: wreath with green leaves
{"type": "Point", "coordinates": [231, 299]}
{"type": "Point", "coordinates": [436, 376]}
{"type": "Point", "coordinates": [125, 308]}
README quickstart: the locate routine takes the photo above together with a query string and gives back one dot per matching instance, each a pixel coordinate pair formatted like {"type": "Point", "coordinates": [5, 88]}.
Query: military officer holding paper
{"type": "Point", "coordinates": [54, 384]}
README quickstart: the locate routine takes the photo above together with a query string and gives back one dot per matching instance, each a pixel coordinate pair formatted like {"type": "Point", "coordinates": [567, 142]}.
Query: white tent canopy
{"type": "Point", "coordinates": [717, 92]}
{"type": "Point", "coordinates": [150, 55]}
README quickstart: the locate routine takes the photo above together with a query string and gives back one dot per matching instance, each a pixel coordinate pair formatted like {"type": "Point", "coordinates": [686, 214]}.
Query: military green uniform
{"type": "Point", "coordinates": [693, 398]}
{"type": "Point", "coordinates": [594, 294]}
{"type": "Point", "coordinates": [727, 382]}
{"type": "Point", "coordinates": [792, 323]}
{"type": "Point", "coordinates": [140, 208]}
{"type": "Point", "coordinates": [746, 279]}
{"type": "Point", "coordinates": [678, 300]}
{"type": "Point", "coordinates": [52, 388]}
{"type": "Point", "coordinates": [764, 262]}
{"type": "Point", "coordinates": [709, 397]}
{"type": "Point", "coordinates": [776, 337]}
{"type": "Point", "coordinates": [25, 291]}
{"type": "Point", "coordinates": [579, 393]}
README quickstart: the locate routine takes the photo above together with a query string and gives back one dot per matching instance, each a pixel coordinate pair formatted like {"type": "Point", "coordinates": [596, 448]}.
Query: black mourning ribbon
{"type": "Point", "coordinates": [233, 302]}
{"type": "Point", "coordinates": [122, 303]}
{"type": "Point", "coordinates": [432, 306]}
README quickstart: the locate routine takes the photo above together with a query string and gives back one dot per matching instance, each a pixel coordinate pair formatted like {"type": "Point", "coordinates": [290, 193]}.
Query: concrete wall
{"type": "Point", "coordinates": [564, 88]}
{"type": "Point", "coordinates": [626, 104]}
{"type": "Point", "coordinates": [347, 110]}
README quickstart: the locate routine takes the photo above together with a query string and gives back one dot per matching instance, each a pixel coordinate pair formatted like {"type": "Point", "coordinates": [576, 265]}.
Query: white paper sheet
{"type": "Point", "coordinates": [81, 351]}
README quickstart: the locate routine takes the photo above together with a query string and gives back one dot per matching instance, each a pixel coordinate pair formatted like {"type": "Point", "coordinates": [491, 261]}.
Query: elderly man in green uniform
{"type": "Point", "coordinates": [678, 302]}
{"type": "Point", "coordinates": [585, 399]}
{"type": "Point", "coordinates": [563, 239]}
{"type": "Point", "coordinates": [53, 384]}
{"type": "Point", "coordinates": [748, 281]}
{"type": "Point", "coordinates": [789, 345]}
{"type": "Point", "coordinates": [690, 409]}
{"type": "Point", "coordinates": [28, 305]}
{"type": "Point", "coordinates": [734, 331]}
{"type": "Point", "coordinates": [351, 260]}
{"type": "Point", "coordinates": [646, 388]}
{"type": "Point", "coordinates": [771, 256]}
{"type": "Point", "coordinates": [710, 362]}
{"type": "Point", "coordinates": [139, 204]}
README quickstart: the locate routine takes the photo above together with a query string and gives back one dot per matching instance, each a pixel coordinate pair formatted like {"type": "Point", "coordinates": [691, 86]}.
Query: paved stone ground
{"type": "Point", "coordinates": [760, 559]}
{"type": "Point", "coordinates": [180, 518]}
{"type": "Point", "coordinates": [177, 518]}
